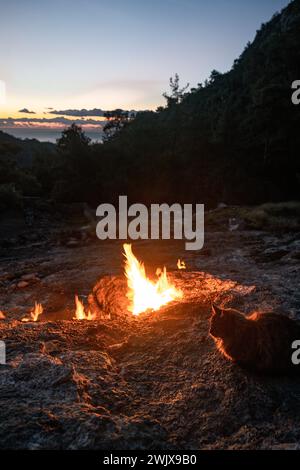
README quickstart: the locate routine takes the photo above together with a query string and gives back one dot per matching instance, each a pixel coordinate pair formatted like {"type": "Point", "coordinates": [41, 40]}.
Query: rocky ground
{"type": "Point", "coordinates": [155, 381]}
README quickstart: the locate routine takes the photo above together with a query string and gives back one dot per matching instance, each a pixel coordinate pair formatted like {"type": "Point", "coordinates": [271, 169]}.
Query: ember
{"type": "Point", "coordinates": [143, 293]}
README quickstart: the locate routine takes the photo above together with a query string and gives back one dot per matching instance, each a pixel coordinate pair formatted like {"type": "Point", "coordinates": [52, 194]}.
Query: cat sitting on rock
{"type": "Point", "coordinates": [261, 342]}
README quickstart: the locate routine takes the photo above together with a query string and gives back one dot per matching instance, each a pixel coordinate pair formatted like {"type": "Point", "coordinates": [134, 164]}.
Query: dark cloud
{"type": "Point", "coordinates": [96, 112]}
{"type": "Point", "coordinates": [79, 112]}
{"type": "Point", "coordinates": [26, 110]}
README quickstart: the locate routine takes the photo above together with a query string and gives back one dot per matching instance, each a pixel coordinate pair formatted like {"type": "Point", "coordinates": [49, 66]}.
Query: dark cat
{"type": "Point", "coordinates": [260, 342]}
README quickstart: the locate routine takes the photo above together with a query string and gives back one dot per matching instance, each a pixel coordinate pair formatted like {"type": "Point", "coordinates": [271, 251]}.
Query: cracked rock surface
{"type": "Point", "coordinates": [154, 381]}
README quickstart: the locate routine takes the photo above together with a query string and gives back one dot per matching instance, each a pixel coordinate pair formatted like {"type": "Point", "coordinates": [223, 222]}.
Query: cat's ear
{"type": "Point", "coordinates": [216, 310]}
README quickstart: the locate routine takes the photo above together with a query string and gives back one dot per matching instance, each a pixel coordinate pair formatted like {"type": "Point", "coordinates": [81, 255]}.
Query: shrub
{"type": "Point", "coordinates": [9, 197]}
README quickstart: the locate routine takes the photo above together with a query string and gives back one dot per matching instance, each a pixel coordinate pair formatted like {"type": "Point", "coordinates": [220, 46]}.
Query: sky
{"type": "Point", "coordinates": [57, 55]}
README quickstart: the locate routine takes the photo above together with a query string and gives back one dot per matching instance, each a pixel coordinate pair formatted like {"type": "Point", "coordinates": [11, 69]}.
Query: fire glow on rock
{"type": "Point", "coordinates": [143, 293]}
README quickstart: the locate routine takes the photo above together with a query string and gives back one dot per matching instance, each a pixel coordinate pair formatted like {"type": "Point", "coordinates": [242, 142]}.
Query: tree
{"type": "Point", "coordinates": [115, 121]}
{"type": "Point", "coordinates": [214, 76]}
{"type": "Point", "coordinates": [177, 94]}
{"type": "Point", "coordinates": [72, 139]}
{"type": "Point", "coordinates": [74, 171]}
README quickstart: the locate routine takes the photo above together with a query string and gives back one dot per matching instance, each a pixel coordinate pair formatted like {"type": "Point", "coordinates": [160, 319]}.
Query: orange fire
{"type": "Point", "coordinates": [80, 311]}
{"type": "Point", "coordinates": [181, 264]}
{"type": "Point", "coordinates": [34, 313]}
{"type": "Point", "coordinates": [143, 293]}
{"type": "Point", "coordinates": [2, 316]}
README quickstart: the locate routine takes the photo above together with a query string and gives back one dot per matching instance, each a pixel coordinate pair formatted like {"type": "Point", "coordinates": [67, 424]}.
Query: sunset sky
{"type": "Point", "coordinates": [63, 54]}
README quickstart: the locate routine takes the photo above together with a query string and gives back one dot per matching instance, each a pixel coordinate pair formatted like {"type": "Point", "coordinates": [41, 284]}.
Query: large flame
{"type": "Point", "coordinates": [143, 293]}
{"type": "Point", "coordinates": [80, 311]}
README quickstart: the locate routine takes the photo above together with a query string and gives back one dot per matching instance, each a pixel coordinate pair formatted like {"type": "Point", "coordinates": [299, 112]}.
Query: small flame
{"type": "Point", "coordinates": [181, 264]}
{"type": "Point", "coordinates": [80, 311]}
{"type": "Point", "coordinates": [143, 293]}
{"type": "Point", "coordinates": [2, 316]}
{"type": "Point", "coordinates": [34, 313]}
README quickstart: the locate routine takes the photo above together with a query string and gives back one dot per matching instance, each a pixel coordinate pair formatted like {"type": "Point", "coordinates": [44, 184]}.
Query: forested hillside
{"type": "Point", "coordinates": [235, 138]}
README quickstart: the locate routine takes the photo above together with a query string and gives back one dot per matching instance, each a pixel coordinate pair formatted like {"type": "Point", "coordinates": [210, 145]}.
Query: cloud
{"type": "Point", "coordinates": [79, 112]}
{"type": "Point", "coordinates": [96, 112]}
{"type": "Point", "coordinates": [26, 110]}
{"type": "Point", "coordinates": [60, 122]}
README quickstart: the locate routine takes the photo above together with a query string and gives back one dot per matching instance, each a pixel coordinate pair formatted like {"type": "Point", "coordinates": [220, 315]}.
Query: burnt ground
{"type": "Point", "coordinates": [155, 381]}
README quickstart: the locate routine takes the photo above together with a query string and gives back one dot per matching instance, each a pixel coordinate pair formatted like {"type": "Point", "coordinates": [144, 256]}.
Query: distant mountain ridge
{"type": "Point", "coordinates": [25, 151]}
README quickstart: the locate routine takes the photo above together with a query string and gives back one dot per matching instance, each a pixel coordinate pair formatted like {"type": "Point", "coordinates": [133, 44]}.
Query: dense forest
{"type": "Point", "coordinates": [234, 138]}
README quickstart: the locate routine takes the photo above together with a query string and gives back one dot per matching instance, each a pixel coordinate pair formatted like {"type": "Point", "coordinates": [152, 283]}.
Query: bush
{"type": "Point", "coordinates": [28, 184]}
{"type": "Point", "coordinates": [282, 216]}
{"type": "Point", "coordinates": [9, 197]}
